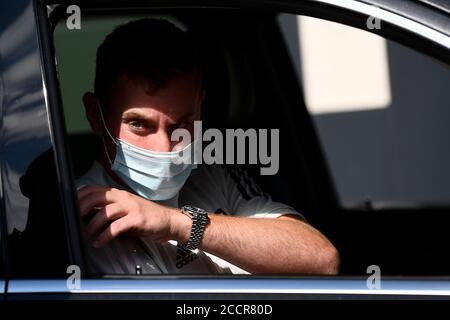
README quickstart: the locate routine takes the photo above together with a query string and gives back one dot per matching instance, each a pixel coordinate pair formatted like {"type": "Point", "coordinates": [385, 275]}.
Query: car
{"type": "Point", "coordinates": [373, 177]}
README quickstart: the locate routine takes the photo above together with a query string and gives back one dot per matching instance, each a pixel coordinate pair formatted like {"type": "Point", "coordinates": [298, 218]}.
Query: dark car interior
{"type": "Point", "coordinates": [251, 84]}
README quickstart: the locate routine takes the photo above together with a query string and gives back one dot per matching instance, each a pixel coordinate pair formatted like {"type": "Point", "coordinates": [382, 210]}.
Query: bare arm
{"type": "Point", "coordinates": [259, 245]}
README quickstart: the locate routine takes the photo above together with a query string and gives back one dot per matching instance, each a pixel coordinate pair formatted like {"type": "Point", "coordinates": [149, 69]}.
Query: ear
{"type": "Point", "coordinates": [92, 113]}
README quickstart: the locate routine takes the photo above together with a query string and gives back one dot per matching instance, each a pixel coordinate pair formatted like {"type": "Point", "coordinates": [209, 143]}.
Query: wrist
{"type": "Point", "coordinates": [180, 225]}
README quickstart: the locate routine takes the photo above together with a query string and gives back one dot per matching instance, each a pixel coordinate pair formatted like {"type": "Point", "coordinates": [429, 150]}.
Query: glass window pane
{"type": "Point", "coordinates": [381, 111]}
{"type": "Point", "coordinates": [34, 213]}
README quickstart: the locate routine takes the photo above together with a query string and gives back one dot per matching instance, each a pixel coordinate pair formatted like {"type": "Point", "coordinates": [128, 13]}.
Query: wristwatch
{"type": "Point", "coordinates": [199, 221]}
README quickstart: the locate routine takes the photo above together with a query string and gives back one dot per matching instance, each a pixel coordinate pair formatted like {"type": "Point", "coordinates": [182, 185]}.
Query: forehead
{"type": "Point", "coordinates": [178, 96]}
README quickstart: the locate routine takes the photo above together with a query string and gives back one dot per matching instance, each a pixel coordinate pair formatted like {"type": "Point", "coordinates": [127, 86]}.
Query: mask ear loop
{"type": "Point", "coordinates": [109, 133]}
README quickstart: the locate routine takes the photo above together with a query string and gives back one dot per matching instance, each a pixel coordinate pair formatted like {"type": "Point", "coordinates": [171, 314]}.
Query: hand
{"type": "Point", "coordinates": [121, 212]}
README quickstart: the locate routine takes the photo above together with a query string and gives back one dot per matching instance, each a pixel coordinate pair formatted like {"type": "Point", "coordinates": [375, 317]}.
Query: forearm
{"type": "Point", "coordinates": [283, 245]}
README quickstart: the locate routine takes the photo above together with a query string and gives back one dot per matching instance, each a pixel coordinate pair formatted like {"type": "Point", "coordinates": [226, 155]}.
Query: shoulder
{"type": "Point", "coordinates": [223, 179]}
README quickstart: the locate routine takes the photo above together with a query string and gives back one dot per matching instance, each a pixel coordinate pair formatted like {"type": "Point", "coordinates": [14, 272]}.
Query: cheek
{"type": "Point", "coordinates": [123, 132]}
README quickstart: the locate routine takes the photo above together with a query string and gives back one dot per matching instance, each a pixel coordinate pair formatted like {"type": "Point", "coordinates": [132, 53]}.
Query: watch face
{"type": "Point", "coordinates": [193, 210]}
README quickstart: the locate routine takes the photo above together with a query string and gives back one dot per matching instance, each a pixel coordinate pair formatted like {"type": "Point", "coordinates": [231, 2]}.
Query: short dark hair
{"type": "Point", "coordinates": [151, 50]}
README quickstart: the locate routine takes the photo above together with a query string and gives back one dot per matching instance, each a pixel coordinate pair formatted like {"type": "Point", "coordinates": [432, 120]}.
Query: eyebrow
{"type": "Point", "coordinates": [135, 115]}
{"type": "Point", "coordinates": [139, 116]}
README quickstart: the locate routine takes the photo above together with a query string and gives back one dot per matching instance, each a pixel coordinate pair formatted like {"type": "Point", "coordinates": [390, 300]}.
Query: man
{"type": "Point", "coordinates": [148, 84]}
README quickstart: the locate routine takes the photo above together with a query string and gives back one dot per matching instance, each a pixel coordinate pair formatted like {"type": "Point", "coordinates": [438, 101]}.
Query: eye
{"type": "Point", "coordinates": [136, 124]}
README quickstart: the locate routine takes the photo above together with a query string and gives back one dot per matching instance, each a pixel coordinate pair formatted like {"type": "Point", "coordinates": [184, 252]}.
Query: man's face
{"type": "Point", "coordinates": [146, 118]}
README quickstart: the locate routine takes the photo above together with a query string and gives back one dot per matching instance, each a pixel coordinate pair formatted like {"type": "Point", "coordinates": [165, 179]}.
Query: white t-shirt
{"type": "Point", "coordinates": [217, 189]}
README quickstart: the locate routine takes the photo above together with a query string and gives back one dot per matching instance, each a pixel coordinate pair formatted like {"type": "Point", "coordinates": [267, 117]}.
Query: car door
{"type": "Point", "coordinates": [308, 165]}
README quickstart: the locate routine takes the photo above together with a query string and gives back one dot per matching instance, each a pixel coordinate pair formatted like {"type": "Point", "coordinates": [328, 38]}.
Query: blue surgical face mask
{"type": "Point", "coordinates": [152, 175]}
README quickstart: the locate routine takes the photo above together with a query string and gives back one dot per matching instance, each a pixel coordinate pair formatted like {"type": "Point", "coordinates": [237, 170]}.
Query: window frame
{"type": "Point", "coordinates": [57, 133]}
{"type": "Point", "coordinates": [4, 263]}
{"type": "Point", "coordinates": [3, 223]}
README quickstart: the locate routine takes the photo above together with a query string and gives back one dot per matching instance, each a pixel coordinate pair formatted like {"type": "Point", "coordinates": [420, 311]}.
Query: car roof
{"type": "Point", "coordinates": [443, 5]}
{"type": "Point", "coordinates": [432, 13]}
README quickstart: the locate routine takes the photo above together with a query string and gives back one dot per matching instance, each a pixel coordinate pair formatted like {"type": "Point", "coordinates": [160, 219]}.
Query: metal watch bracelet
{"type": "Point", "coordinates": [199, 221]}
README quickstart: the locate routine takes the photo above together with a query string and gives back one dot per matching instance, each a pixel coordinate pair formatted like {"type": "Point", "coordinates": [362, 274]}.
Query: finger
{"type": "Point", "coordinates": [116, 228]}
{"type": "Point", "coordinates": [98, 199]}
{"type": "Point", "coordinates": [106, 215]}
